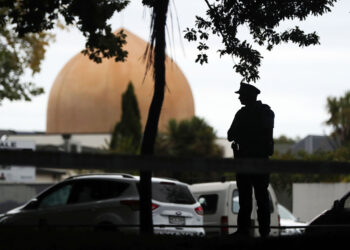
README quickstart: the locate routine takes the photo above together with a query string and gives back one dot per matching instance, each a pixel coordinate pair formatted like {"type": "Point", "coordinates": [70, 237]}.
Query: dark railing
{"type": "Point", "coordinates": [115, 163]}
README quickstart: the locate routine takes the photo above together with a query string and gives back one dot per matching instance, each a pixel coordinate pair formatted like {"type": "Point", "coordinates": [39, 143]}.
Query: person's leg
{"type": "Point", "coordinates": [261, 183]}
{"type": "Point", "coordinates": [245, 203]}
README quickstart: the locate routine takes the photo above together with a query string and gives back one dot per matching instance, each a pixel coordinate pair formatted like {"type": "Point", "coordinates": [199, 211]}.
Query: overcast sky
{"type": "Point", "coordinates": [294, 81]}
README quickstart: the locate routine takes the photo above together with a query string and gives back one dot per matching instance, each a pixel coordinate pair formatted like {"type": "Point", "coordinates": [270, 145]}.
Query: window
{"type": "Point", "coordinates": [172, 193]}
{"type": "Point", "coordinates": [56, 198]}
{"type": "Point", "coordinates": [95, 190]}
{"type": "Point", "coordinates": [209, 203]}
{"type": "Point", "coordinates": [285, 213]}
{"type": "Point", "coordinates": [235, 202]}
{"type": "Point", "coordinates": [347, 203]}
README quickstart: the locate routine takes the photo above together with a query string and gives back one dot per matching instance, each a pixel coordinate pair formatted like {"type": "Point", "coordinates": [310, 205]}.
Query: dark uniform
{"type": "Point", "coordinates": [252, 135]}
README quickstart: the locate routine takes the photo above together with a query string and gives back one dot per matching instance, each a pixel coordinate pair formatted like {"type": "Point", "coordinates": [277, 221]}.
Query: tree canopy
{"type": "Point", "coordinates": [338, 109]}
{"type": "Point", "coordinates": [24, 36]}
{"type": "Point", "coordinates": [126, 136]}
{"type": "Point", "coordinates": [262, 18]}
{"type": "Point", "coordinates": [189, 138]}
{"type": "Point", "coordinates": [89, 16]}
{"type": "Point", "coordinates": [18, 55]}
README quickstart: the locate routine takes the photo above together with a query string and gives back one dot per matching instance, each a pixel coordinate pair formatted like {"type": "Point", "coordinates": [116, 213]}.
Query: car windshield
{"type": "Point", "coordinates": [285, 213]}
{"type": "Point", "coordinates": [172, 193]}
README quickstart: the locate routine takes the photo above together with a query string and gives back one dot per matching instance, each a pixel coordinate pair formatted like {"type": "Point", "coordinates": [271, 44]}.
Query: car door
{"type": "Point", "coordinates": [53, 205]}
{"type": "Point", "coordinates": [96, 200]}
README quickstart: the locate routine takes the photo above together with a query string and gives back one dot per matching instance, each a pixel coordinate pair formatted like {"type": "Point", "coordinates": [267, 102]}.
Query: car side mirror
{"type": "Point", "coordinates": [33, 204]}
{"type": "Point", "coordinates": [336, 205]}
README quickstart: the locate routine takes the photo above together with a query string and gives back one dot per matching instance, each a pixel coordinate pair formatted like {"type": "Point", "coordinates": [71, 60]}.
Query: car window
{"type": "Point", "coordinates": [57, 197]}
{"type": "Point", "coordinates": [347, 203]}
{"type": "Point", "coordinates": [285, 213]}
{"type": "Point", "coordinates": [172, 193]}
{"type": "Point", "coordinates": [235, 202]}
{"type": "Point", "coordinates": [95, 190]}
{"type": "Point", "coordinates": [209, 203]}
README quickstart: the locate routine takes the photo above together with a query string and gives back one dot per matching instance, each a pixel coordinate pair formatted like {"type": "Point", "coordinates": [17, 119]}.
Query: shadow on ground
{"type": "Point", "coordinates": [53, 239]}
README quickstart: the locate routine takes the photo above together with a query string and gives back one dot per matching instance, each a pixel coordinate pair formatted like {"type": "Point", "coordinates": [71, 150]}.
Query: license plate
{"type": "Point", "coordinates": [177, 220]}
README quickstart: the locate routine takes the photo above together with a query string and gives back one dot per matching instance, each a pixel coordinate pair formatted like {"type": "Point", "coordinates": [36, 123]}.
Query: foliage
{"type": "Point", "coordinates": [285, 181]}
{"type": "Point", "coordinates": [339, 117]}
{"type": "Point", "coordinates": [188, 138]}
{"type": "Point", "coordinates": [126, 136]}
{"type": "Point", "coordinates": [282, 139]}
{"type": "Point", "coordinates": [18, 54]}
{"type": "Point", "coordinates": [24, 27]}
{"type": "Point", "coordinates": [89, 16]}
{"type": "Point", "coordinates": [262, 18]}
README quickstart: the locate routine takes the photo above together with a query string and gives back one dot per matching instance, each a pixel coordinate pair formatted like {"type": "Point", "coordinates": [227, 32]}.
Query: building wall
{"type": "Point", "coordinates": [311, 199]}
{"type": "Point", "coordinates": [88, 140]}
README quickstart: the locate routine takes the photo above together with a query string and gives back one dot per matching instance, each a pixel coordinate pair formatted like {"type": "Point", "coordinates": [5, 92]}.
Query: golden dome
{"type": "Point", "coordinates": [86, 97]}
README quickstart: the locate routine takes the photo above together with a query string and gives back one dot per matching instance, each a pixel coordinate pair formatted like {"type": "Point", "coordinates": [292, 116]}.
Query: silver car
{"type": "Point", "coordinates": [111, 200]}
{"type": "Point", "coordinates": [287, 219]}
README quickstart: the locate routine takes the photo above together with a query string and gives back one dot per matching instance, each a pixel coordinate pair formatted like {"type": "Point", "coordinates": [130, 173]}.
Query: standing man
{"type": "Point", "coordinates": [251, 134]}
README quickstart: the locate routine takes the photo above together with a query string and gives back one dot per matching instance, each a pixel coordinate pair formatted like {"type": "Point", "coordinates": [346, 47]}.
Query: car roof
{"type": "Point", "coordinates": [211, 186]}
{"type": "Point", "coordinates": [121, 176]}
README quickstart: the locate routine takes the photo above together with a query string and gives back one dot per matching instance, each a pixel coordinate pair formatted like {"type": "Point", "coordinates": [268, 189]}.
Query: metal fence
{"type": "Point", "coordinates": [115, 163]}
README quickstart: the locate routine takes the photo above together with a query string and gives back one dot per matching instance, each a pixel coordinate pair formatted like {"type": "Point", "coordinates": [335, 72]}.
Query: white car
{"type": "Point", "coordinates": [287, 219]}
{"type": "Point", "coordinates": [111, 201]}
{"type": "Point", "coordinates": [221, 205]}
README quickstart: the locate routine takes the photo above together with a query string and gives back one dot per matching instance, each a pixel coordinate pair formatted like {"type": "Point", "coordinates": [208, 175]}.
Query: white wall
{"type": "Point", "coordinates": [311, 199]}
{"type": "Point", "coordinates": [89, 140]}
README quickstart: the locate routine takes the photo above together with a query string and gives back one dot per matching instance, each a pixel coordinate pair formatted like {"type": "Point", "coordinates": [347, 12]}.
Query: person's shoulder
{"type": "Point", "coordinates": [242, 110]}
{"type": "Point", "coordinates": [266, 108]}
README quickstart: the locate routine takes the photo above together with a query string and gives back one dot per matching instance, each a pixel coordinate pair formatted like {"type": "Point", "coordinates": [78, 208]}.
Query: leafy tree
{"type": "Point", "coordinates": [126, 136]}
{"type": "Point", "coordinates": [262, 19]}
{"type": "Point", "coordinates": [282, 139]}
{"type": "Point", "coordinates": [16, 55]}
{"type": "Point", "coordinates": [339, 118]}
{"type": "Point", "coordinates": [285, 181]}
{"type": "Point", "coordinates": [89, 16]}
{"type": "Point", "coordinates": [189, 138]}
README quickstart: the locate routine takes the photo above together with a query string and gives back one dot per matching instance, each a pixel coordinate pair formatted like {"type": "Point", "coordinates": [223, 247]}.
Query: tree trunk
{"type": "Point", "coordinates": [160, 9]}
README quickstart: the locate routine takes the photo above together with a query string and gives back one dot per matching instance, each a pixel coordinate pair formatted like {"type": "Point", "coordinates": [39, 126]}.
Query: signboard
{"type": "Point", "coordinates": [15, 173]}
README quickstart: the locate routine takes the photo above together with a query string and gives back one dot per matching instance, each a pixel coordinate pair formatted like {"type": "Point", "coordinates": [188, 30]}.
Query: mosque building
{"type": "Point", "coordinates": [86, 96]}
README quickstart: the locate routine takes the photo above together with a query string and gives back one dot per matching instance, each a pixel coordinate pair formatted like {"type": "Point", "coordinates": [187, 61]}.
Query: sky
{"type": "Point", "coordinates": [295, 82]}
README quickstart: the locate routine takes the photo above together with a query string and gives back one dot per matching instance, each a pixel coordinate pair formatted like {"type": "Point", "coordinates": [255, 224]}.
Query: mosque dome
{"type": "Point", "coordinates": [86, 97]}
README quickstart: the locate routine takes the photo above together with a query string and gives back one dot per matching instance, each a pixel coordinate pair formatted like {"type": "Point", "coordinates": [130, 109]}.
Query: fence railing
{"type": "Point", "coordinates": [114, 162]}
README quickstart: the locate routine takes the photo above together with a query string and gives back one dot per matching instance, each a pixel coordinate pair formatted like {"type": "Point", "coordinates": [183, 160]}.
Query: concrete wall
{"type": "Point", "coordinates": [311, 199]}
{"type": "Point", "coordinates": [14, 195]}
{"type": "Point", "coordinates": [88, 140]}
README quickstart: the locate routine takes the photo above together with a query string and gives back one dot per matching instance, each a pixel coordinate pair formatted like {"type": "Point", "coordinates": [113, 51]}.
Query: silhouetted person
{"type": "Point", "coordinates": [252, 135]}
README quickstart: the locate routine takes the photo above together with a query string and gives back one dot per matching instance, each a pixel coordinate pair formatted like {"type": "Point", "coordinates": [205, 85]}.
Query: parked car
{"type": "Point", "coordinates": [221, 205]}
{"type": "Point", "coordinates": [102, 200]}
{"type": "Point", "coordinates": [336, 218]}
{"type": "Point", "coordinates": [287, 219]}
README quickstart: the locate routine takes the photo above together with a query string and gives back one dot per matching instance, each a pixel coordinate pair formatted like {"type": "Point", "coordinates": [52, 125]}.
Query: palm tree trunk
{"type": "Point", "coordinates": [159, 15]}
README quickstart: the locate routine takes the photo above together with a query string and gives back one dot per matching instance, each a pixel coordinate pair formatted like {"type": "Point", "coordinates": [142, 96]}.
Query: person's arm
{"type": "Point", "coordinates": [268, 125]}
{"type": "Point", "coordinates": [232, 133]}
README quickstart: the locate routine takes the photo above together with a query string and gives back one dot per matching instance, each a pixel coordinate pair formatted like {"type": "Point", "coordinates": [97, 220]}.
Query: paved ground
{"type": "Point", "coordinates": [53, 239]}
